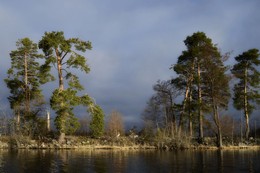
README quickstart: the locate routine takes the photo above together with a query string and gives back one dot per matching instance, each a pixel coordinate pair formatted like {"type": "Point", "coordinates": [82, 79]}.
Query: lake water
{"type": "Point", "coordinates": [44, 161]}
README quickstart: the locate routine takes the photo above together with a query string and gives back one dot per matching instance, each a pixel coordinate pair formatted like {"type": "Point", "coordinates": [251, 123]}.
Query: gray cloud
{"type": "Point", "coordinates": [134, 42]}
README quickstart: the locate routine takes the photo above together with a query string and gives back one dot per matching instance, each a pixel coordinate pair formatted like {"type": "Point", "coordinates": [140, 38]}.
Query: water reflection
{"type": "Point", "coordinates": [128, 161]}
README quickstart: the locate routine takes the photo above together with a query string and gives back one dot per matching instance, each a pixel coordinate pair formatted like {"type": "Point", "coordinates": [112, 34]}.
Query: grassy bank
{"type": "Point", "coordinates": [121, 143]}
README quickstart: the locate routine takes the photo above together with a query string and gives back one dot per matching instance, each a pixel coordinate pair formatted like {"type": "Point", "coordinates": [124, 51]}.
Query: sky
{"type": "Point", "coordinates": [134, 41]}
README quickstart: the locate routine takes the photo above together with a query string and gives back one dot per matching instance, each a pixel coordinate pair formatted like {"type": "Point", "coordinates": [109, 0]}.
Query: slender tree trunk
{"type": "Point", "coordinates": [217, 122]}
{"type": "Point", "coordinates": [187, 92]}
{"type": "Point", "coordinates": [27, 99]}
{"type": "Point", "coordinates": [199, 104]}
{"type": "Point", "coordinates": [18, 117]}
{"type": "Point", "coordinates": [220, 137]}
{"type": "Point", "coordinates": [166, 116]}
{"type": "Point", "coordinates": [183, 108]}
{"type": "Point", "coordinates": [173, 123]}
{"type": "Point", "coordinates": [190, 116]}
{"type": "Point", "coordinates": [61, 88]}
{"type": "Point", "coordinates": [241, 129]}
{"type": "Point", "coordinates": [246, 106]}
{"type": "Point", "coordinates": [48, 120]}
{"type": "Point", "coordinates": [59, 66]}
{"type": "Point", "coordinates": [232, 134]}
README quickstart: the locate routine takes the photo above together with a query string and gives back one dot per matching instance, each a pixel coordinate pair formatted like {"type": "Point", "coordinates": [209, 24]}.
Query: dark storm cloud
{"type": "Point", "coordinates": [134, 42]}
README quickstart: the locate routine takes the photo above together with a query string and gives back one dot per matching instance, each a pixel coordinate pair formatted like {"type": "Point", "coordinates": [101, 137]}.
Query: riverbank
{"type": "Point", "coordinates": [122, 143]}
{"type": "Point", "coordinates": [73, 142]}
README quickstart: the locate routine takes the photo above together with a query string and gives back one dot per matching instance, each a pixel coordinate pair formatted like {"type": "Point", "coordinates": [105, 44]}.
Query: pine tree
{"type": "Point", "coordinates": [24, 79]}
{"type": "Point", "coordinates": [97, 124]}
{"type": "Point", "coordinates": [246, 94]}
{"type": "Point", "coordinates": [190, 68]}
{"type": "Point", "coordinates": [63, 53]}
{"type": "Point", "coordinates": [185, 71]}
{"type": "Point", "coordinates": [216, 88]}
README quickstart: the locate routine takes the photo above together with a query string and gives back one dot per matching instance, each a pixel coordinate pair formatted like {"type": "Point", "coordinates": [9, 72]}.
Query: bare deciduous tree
{"type": "Point", "coordinates": [115, 125]}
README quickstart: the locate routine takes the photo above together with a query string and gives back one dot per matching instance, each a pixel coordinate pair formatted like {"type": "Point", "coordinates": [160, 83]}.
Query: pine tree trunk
{"type": "Point", "coordinates": [26, 88]}
{"type": "Point", "coordinates": [219, 138]}
{"type": "Point", "coordinates": [190, 116]}
{"type": "Point", "coordinates": [48, 119]}
{"type": "Point", "coordinates": [183, 108]}
{"type": "Point", "coordinates": [59, 66]}
{"type": "Point", "coordinates": [18, 117]}
{"type": "Point", "coordinates": [187, 94]}
{"type": "Point", "coordinates": [191, 127]}
{"type": "Point", "coordinates": [199, 104]}
{"type": "Point", "coordinates": [217, 122]}
{"type": "Point", "coordinates": [246, 105]}
{"type": "Point", "coordinates": [61, 88]}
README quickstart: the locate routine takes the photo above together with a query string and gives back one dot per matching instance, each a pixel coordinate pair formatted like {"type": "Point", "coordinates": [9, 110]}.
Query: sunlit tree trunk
{"type": "Point", "coordinates": [18, 117]}
{"type": "Point", "coordinates": [48, 121]}
{"type": "Point", "coordinates": [61, 88]}
{"type": "Point", "coordinates": [26, 86]}
{"type": "Point", "coordinates": [186, 97]}
{"type": "Point", "coordinates": [199, 103]}
{"type": "Point", "coordinates": [190, 116]}
{"type": "Point", "coordinates": [59, 66]}
{"type": "Point", "coordinates": [246, 106]}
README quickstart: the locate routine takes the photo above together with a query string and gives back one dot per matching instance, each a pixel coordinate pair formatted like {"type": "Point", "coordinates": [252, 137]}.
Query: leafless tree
{"type": "Point", "coordinates": [115, 125]}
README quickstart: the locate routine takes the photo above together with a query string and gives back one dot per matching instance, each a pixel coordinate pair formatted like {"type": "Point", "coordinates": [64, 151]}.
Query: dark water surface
{"type": "Point", "coordinates": [44, 161]}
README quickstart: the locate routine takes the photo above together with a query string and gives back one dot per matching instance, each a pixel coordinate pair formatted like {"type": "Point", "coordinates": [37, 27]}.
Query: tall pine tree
{"type": "Point", "coordinates": [216, 88]}
{"type": "Point", "coordinates": [24, 79]}
{"type": "Point", "coordinates": [190, 68]}
{"type": "Point", "coordinates": [63, 53]}
{"type": "Point", "coordinates": [246, 94]}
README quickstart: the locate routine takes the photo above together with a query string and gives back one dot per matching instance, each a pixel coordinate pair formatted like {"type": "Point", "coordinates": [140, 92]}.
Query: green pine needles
{"type": "Point", "coordinates": [64, 55]}
{"type": "Point", "coordinates": [246, 94]}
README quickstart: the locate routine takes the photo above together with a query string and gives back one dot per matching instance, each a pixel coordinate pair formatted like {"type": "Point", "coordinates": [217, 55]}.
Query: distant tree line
{"type": "Point", "coordinates": [202, 89]}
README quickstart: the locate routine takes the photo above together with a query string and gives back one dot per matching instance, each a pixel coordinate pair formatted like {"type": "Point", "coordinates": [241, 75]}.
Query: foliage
{"type": "Point", "coordinates": [63, 53]}
{"type": "Point", "coordinates": [247, 73]}
{"type": "Point", "coordinates": [62, 102]}
{"type": "Point", "coordinates": [216, 89]}
{"type": "Point", "coordinates": [246, 94]}
{"type": "Point", "coordinates": [24, 79]}
{"type": "Point", "coordinates": [97, 121]}
{"type": "Point", "coordinates": [97, 116]}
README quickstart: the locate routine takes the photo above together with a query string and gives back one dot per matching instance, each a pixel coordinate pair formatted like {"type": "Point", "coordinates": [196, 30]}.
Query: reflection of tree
{"type": "Point", "coordinates": [28, 161]}
{"type": "Point", "coordinates": [71, 161]}
{"type": "Point", "coordinates": [105, 161]}
{"type": "Point", "coordinates": [201, 161]}
{"type": "Point", "coordinates": [99, 164]}
{"type": "Point", "coordinates": [128, 161]}
{"type": "Point", "coordinates": [220, 160]}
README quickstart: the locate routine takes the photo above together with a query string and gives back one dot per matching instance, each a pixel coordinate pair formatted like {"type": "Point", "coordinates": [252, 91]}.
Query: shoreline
{"type": "Point", "coordinates": [123, 143]}
{"type": "Point", "coordinates": [44, 146]}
